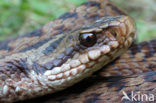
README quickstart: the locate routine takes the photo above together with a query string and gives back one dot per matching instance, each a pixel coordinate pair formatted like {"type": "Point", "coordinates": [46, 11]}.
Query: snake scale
{"type": "Point", "coordinates": [73, 47]}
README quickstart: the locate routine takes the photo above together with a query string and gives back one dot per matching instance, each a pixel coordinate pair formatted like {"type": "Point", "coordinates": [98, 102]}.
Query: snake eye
{"type": "Point", "coordinates": [87, 39]}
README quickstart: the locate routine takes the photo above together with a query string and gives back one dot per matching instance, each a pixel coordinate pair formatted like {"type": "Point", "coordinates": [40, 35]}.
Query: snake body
{"type": "Point", "coordinates": [59, 55]}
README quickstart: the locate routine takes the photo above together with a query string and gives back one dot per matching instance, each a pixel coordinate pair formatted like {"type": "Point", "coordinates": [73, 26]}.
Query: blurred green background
{"type": "Point", "coordinates": [18, 17]}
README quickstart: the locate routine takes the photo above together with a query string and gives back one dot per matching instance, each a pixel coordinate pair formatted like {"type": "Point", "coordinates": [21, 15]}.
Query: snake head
{"type": "Point", "coordinates": [89, 48]}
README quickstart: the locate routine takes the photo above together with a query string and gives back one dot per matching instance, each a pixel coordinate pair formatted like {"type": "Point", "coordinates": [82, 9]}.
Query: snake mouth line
{"type": "Point", "coordinates": [85, 62]}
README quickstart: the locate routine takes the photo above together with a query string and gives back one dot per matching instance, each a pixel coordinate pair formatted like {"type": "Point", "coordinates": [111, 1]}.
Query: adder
{"type": "Point", "coordinates": [73, 47]}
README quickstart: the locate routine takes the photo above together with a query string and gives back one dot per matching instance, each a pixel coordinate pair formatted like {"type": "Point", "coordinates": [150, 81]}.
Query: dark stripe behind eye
{"type": "Point", "coordinates": [52, 46]}
{"type": "Point", "coordinates": [36, 45]}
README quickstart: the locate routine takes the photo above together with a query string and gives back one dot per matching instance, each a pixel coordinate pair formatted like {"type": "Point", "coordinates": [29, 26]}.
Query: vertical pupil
{"type": "Point", "coordinates": [88, 39]}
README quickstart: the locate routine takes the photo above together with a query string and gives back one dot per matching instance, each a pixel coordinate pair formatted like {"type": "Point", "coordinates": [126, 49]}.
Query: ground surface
{"type": "Point", "coordinates": [22, 16]}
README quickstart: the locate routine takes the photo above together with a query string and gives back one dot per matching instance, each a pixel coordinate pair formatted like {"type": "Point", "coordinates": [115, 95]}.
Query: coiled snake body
{"type": "Point", "coordinates": [71, 48]}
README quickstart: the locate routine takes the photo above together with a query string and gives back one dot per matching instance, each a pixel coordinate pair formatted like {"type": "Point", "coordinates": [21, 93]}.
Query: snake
{"type": "Point", "coordinates": [90, 42]}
